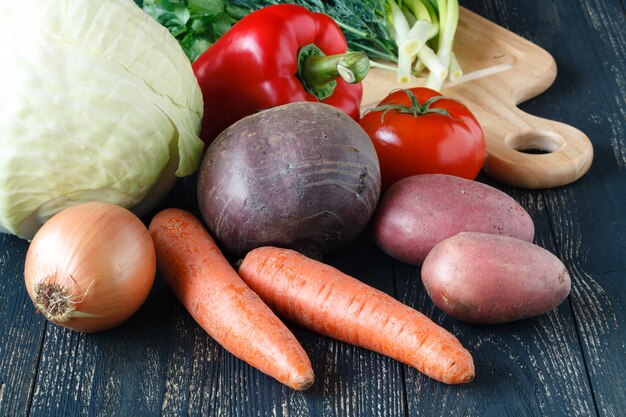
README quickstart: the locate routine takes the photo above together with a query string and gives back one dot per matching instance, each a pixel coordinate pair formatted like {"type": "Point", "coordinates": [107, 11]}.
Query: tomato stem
{"type": "Point", "coordinates": [416, 109]}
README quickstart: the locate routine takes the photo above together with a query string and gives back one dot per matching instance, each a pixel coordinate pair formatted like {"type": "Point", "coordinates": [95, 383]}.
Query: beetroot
{"type": "Point", "coordinates": [303, 176]}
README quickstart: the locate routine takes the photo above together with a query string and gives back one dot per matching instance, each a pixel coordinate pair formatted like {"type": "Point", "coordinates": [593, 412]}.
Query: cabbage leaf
{"type": "Point", "coordinates": [97, 102]}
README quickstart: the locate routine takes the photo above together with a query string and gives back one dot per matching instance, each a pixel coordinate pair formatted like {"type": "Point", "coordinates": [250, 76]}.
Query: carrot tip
{"type": "Point", "coordinates": [303, 382]}
{"type": "Point", "coordinates": [303, 386]}
{"type": "Point", "coordinates": [459, 372]}
{"type": "Point", "coordinates": [468, 377]}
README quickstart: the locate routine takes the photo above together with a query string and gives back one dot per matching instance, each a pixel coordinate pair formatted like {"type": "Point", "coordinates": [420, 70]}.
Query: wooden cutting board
{"type": "Point", "coordinates": [501, 70]}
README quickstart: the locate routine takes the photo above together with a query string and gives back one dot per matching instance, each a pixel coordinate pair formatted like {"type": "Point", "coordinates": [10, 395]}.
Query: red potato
{"type": "Point", "coordinates": [489, 279]}
{"type": "Point", "coordinates": [420, 211]}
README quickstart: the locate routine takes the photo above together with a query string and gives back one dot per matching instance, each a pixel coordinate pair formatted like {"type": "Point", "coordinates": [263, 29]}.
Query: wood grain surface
{"type": "Point", "coordinates": [502, 70]}
{"type": "Point", "coordinates": [569, 362]}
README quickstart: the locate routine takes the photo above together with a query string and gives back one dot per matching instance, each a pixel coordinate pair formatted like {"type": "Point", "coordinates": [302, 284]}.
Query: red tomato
{"type": "Point", "coordinates": [418, 131]}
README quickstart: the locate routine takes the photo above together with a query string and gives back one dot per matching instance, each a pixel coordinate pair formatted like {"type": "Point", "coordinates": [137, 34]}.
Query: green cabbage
{"type": "Point", "coordinates": [97, 102]}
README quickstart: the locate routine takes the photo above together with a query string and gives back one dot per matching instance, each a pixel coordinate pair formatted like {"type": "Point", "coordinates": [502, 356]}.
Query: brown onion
{"type": "Point", "coordinates": [90, 267]}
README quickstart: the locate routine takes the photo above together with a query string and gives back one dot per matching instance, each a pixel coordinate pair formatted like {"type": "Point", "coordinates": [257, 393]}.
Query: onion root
{"type": "Point", "coordinates": [57, 302]}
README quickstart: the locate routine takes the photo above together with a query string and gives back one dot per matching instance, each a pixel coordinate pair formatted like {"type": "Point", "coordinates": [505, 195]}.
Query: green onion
{"type": "Point", "coordinates": [407, 36]}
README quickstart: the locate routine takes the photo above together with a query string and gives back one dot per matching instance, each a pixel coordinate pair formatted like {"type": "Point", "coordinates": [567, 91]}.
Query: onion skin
{"type": "Point", "coordinates": [90, 267]}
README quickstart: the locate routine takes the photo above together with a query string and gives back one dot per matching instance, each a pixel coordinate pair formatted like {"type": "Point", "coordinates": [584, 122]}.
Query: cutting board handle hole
{"type": "Point", "coordinates": [535, 142]}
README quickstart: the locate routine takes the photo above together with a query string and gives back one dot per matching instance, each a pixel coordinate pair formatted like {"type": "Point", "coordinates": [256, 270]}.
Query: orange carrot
{"type": "Point", "coordinates": [221, 303]}
{"type": "Point", "coordinates": [327, 301]}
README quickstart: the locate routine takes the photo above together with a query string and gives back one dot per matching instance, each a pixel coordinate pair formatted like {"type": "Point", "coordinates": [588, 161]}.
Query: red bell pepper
{"type": "Point", "coordinates": [276, 55]}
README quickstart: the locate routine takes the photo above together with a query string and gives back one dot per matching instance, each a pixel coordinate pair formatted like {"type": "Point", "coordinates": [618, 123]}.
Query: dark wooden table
{"type": "Point", "coordinates": [570, 362]}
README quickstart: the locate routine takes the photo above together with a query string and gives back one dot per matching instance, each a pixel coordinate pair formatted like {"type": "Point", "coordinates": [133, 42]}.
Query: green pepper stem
{"type": "Point", "coordinates": [319, 72]}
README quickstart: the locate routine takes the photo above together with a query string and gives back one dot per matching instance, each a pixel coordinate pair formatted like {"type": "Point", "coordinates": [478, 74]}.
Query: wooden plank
{"type": "Point", "coordinates": [357, 382]}
{"type": "Point", "coordinates": [162, 362]}
{"type": "Point", "coordinates": [530, 367]}
{"type": "Point", "coordinates": [569, 362]}
{"type": "Point", "coordinates": [587, 217]}
{"type": "Point", "coordinates": [493, 56]}
{"type": "Point", "coordinates": [21, 331]}
{"type": "Point", "coordinates": [117, 372]}
{"type": "Point", "coordinates": [349, 381]}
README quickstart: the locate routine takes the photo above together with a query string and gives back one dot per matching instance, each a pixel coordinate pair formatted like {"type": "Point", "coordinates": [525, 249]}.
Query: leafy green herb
{"type": "Point", "coordinates": [362, 22]}
{"type": "Point", "coordinates": [412, 34]}
{"type": "Point", "coordinates": [196, 24]}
